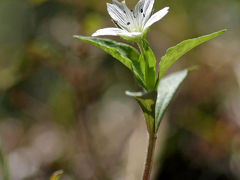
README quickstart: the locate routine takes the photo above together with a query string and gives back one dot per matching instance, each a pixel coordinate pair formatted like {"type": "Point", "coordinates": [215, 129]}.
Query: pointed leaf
{"type": "Point", "coordinates": [147, 104]}
{"type": "Point", "coordinates": [167, 87]}
{"type": "Point", "coordinates": [147, 62]}
{"type": "Point", "coordinates": [138, 73]}
{"type": "Point", "coordinates": [174, 53]}
{"type": "Point", "coordinates": [122, 52]}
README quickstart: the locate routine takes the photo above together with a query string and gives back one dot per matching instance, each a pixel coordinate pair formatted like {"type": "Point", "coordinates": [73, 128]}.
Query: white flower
{"type": "Point", "coordinates": [131, 24]}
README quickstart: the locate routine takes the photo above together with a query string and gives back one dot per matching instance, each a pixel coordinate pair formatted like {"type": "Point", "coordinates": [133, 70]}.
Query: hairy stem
{"type": "Point", "coordinates": [150, 152]}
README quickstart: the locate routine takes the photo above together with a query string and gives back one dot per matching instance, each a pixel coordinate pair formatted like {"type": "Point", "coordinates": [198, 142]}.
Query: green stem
{"type": "Point", "coordinates": [150, 153]}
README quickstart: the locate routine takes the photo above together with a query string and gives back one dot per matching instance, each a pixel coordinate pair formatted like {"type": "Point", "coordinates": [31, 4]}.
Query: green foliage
{"type": "Point", "coordinates": [124, 53]}
{"type": "Point", "coordinates": [166, 89]}
{"type": "Point", "coordinates": [153, 103]}
{"type": "Point", "coordinates": [147, 103]}
{"type": "Point", "coordinates": [174, 53]}
{"type": "Point", "coordinates": [136, 67]}
{"type": "Point", "coordinates": [147, 62]}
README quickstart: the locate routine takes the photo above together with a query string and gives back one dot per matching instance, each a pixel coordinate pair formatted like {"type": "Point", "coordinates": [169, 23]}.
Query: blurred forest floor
{"type": "Point", "coordinates": [63, 106]}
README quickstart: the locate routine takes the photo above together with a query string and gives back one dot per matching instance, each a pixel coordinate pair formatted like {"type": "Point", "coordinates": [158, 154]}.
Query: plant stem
{"type": "Point", "coordinates": [150, 152]}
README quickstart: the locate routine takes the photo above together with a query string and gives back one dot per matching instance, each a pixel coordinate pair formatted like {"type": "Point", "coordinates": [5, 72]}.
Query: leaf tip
{"type": "Point", "coordinates": [133, 94]}
{"type": "Point", "coordinates": [193, 68]}
{"type": "Point", "coordinates": [221, 31]}
{"type": "Point", "coordinates": [224, 30]}
{"type": "Point", "coordinates": [75, 36]}
{"type": "Point", "coordinates": [79, 37]}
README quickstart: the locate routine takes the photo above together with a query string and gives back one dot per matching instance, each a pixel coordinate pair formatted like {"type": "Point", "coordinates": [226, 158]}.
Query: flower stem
{"type": "Point", "coordinates": [150, 152]}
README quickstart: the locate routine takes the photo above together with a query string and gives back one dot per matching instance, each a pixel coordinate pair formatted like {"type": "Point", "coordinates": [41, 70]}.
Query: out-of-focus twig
{"type": "Point", "coordinates": [4, 166]}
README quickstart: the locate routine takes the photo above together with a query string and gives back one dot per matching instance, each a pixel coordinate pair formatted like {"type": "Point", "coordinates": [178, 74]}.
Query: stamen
{"type": "Point", "coordinates": [128, 23]}
{"type": "Point", "coordinates": [141, 10]}
{"type": "Point", "coordinates": [124, 12]}
{"type": "Point", "coordinates": [143, 15]}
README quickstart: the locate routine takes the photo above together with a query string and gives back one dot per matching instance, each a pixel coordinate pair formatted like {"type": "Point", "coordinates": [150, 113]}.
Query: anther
{"type": "Point", "coordinates": [128, 23]}
{"type": "Point", "coordinates": [143, 15]}
{"type": "Point", "coordinates": [141, 10]}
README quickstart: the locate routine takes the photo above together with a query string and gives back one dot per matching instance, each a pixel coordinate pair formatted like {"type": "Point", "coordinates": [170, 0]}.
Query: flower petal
{"type": "Point", "coordinates": [109, 32]}
{"type": "Point", "coordinates": [147, 8]}
{"type": "Point", "coordinates": [138, 12]}
{"type": "Point", "coordinates": [131, 22]}
{"type": "Point", "coordinates": [138, 7]}
{"type": "Point", "coordinates": [119, 4]}
{"type": "Point", "coordinates": [131, 34]}
{"type": "Point", "coordinates": [156, 17]}
{"type": "Point", "coordinates": [117, 15]}
{"type": "Point", "coordinates": [116, 32]}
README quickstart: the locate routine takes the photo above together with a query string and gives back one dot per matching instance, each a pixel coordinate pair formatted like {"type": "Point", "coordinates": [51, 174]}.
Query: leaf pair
{"type": "Point", "coordinates": [155, 102]}
{"type": "Point", "coordinates": [144, 66]}
{"type": "Point", "coordinates": [167, 86]}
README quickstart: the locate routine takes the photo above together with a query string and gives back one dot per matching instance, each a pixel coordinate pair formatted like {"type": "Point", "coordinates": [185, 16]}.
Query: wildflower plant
{"type": "Point", "coordinates": [158, 91]}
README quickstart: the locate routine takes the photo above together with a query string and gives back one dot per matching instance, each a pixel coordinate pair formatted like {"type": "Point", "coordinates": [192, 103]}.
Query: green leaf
{"type": "Point", "coordinates": [147, 62]}
{"type": "Point", "coordinates": [138, 73]}
{"type": "Point", "coordinates": [174, 53]}
{"type": "Point", "coordinates": [56, 175]}
{"type": "Point", "coordinates": [147, 104]}
{"type": "Point", "coordinates": [167, 87]}
{"type": "Point", "coordinates": [124, 53]}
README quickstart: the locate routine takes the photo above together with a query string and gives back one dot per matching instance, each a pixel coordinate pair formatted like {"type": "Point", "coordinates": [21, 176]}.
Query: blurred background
{"type": "Point", "coordinates": [63, 102]}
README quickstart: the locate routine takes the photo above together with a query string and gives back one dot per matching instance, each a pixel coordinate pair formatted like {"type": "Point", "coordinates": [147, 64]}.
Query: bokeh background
{"type": "Point", "coordinates": [63, 102]}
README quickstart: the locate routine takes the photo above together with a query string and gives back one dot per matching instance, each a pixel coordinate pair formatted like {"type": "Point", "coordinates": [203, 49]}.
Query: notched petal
{"type": "Point", "coordinates": [147, 9]}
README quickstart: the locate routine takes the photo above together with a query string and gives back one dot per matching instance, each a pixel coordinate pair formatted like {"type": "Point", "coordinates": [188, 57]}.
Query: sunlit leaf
{"type": "Point", "coordinates": [167, 87]}
{"type": "Point", "coordinates": [122, 52]}
{"type": "Point", "coordinates": [174, 53]}
{"type": "Point", "coordinates": [147, 104]}
{"type": "Point", "coordinates": [147, 62]}
{"type": "Point", "coordinates": [138, 74]}
{"type": "Point", "coordinates": [56, 175]}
